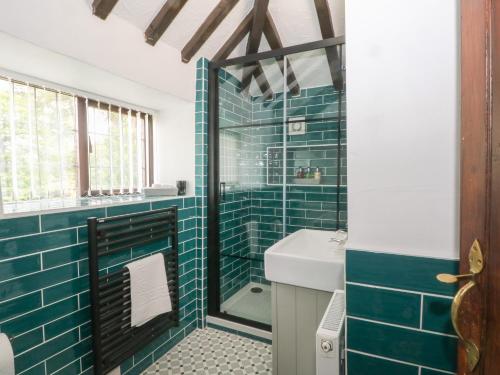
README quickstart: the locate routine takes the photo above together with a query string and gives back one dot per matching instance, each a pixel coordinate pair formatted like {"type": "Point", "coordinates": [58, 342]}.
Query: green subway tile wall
{"type": "Point", "coordinates": [201, 170]}
{"type": "Point", "coordinates": [44, 299]}
{"type": "Point", "coordinates": [398, 316]}
{"type": "Point", "coordinates": [251, 167]}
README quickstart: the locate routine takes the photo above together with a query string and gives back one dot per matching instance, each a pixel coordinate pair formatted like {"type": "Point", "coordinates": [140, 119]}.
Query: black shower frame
{"type": "Point", "coordinates": [213, 193]}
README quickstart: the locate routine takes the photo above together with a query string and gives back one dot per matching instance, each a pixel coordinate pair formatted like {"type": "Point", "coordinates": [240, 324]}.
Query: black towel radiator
{"type": "Point", "coordinates": [114, 339]}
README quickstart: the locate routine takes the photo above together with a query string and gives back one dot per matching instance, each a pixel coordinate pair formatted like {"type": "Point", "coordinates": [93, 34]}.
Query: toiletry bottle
{"type": "Point", "coordinates": [317, 174]}
{"type": "Point", "coordinates": [299, 173]}
{"type": "Point", "coordinates": [308, 172]}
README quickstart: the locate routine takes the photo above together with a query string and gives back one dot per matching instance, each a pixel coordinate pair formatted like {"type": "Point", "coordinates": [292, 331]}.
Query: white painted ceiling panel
{"type": "Point", "coordinates": [296, 21]}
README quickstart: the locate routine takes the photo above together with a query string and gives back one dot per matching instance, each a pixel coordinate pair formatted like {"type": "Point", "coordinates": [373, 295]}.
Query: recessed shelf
{"type": "Point", "coordinates": [315, 156]}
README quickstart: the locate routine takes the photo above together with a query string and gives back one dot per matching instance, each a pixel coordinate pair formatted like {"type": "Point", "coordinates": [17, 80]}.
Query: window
{"type": "Point", "coordinates": [57, 145]}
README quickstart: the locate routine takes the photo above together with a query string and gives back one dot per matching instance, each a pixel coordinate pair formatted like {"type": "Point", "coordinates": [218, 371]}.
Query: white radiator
{"type": "Point", "coordinates": [330, 338]}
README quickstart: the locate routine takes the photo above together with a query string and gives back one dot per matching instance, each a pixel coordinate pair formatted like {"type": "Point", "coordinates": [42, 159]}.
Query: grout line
{"type": "Point", "coordinates": [398, 290]}
{"type": "Point", "coordinates": [400, 326]}
{"type": "Point", "coordinates": [421, 311]}
{"type": "Point", "coordinates": [397, 361]}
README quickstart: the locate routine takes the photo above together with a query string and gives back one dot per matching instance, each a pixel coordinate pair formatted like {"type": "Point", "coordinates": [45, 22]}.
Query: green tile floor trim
{"type": "Point", "coordinates": [397, 315]}
{"type": "Point", "coordinates": [44, 298]}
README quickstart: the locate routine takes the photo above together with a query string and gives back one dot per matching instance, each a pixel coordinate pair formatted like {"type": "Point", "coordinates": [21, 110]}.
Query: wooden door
{"type": "Point", "coordinates": [479, 314]}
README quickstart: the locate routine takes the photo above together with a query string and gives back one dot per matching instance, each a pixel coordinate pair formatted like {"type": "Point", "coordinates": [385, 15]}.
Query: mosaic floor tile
{"type": "Point", "coordinates": [210, 351]}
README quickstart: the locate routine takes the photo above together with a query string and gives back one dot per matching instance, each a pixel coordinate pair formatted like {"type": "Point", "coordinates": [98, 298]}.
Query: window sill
{"type": "Point", "coordinates": [50, 206]}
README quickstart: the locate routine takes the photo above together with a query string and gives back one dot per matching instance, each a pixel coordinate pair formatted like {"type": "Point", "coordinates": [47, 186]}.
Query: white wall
{"type": "Point", "coordinates": [174, 123]}
{"type": "Point", "coordinates": [175, 145]}
{"type": "Point", "coordinates": [403, 126]}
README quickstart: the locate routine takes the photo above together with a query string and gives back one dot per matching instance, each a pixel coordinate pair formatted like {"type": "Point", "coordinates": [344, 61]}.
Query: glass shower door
{"type": "Point", "coordinates": [250, 199]}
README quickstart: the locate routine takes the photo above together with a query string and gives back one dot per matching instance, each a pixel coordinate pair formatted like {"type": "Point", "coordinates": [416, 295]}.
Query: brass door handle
{"type": "Point", "coordinates": [471, 348]}
{"type": "Point", "coordinates": [476, 266]}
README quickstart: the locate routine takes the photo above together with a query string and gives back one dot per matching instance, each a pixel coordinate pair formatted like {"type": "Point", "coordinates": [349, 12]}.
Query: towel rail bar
{"type": "Point", "coordinates": [114, 339]}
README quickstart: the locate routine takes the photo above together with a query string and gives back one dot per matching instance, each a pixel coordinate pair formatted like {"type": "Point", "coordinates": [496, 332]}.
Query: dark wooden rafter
{"type": "Point", "coordinates": [272, 37]}
{"type": "Point", "coordinates": [254, 38]}
{"type": "Point", "coordinates": [262, 82]}
{"type": "Point", "coordinates": [327, 31]}
{"type": "Point", "coordinates": [235, 38]}
{"type": "Point", "coordinates": [163, 20]}
{"type": "Point", "coordinates": [207, 28]}
{"type": "Point", "coordinates": [102, 8]}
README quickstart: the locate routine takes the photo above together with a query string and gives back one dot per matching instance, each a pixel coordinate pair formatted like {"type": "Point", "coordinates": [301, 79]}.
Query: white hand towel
{"type": "Point", "coordinates": [148, 289]}
{"type": "Point", "coordinates": [6, 356]}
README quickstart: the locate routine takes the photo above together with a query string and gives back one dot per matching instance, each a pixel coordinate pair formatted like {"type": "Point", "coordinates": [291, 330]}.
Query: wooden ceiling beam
{"type": "Point", "coordinates": [327, 31]}
{"type": "Point", "coordinates": [102, 8]}
{"type": "Point", "coordinates": [163, 20]}
{"type": "Point", "coordinates": [273, 38]}
{"type": "Point", "coordinates": [262, 82]}
{"type": "Point", "coordinates": [207, 28]}
{"type": "Point", "coordinates": [235, 38]}
{"type": "Point", "coordinates": [256, 31]}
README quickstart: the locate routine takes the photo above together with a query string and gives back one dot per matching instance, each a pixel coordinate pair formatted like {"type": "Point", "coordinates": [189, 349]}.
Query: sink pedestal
{"type": "Point", "coordinates": [297, 312]}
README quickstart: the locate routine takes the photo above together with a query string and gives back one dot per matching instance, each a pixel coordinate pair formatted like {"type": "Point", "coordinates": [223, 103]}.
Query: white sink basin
{"type": "Point", "coordinates": [307, 258]}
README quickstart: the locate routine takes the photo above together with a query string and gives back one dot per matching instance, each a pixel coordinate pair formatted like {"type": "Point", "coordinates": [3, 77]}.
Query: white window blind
{"type": "Point", "coordinates": [58, 145]}
{"type": "Point", "coordinates": [117, 149]}
{"type": "Point", "coordinates": [38, 143]}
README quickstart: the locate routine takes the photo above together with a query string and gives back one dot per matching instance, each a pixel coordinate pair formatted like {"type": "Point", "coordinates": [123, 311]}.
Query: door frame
{"type": "Point", "coordinates": [479, 317]}
{"type": "Point", "coordinates": [213, 193]}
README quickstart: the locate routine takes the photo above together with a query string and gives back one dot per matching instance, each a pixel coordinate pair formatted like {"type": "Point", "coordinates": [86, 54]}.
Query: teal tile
{"type": "Point", "coordinates": [71, 369]}
{"type": "Point", "coordinates": [28, 340]}
{"type": "Point", "coordinates": [399, 271]}
{"type": "Point", "coordinates": [19, 226]}
{"type": "Point", "coordinates": [35, 243]}
{"type": "Point", "coordinates": [320, 90]}
{"type": "Point", "coordinates": [68, 355]}
{"type": "Point", "coordinates": [56, 327]}
{"type": "Point", "coordinates": [127, 209]}
{"type": "Point", "coordinates": [20, 305]}
{"type": "Point", "coordinates": [426, 371]}
{"type": "Point", "coordinates": [402, 344]}
{"type": "Point", "coordinates": [168, 203]}
{"type": "Point", "coordinates": [65, 290]}
{"type": "Point", "coordinates": [39, 317]}
{"type": "Point", "coordinates": [46, 350]}
{"type": "Point", "coordinates": [437, 314]}
{"type": "Point", "coordinates": [383, 305]}
{"type": "Point", "coordinates": [359, 364]}
{"type": "Point", "coordinates": [37, 281]}
{"type": "Point", "coordinates": [65, 255]}
{"type": "Point", "coordinates": [19, 267]}
{"type": "Point", "coordinates": [37, 370]}
{"type": "Point", "coordinates": [62, 220]}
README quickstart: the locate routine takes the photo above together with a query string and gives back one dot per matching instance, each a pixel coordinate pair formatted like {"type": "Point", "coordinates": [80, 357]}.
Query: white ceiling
{"type": "Point", "coordinates": [296, 21]}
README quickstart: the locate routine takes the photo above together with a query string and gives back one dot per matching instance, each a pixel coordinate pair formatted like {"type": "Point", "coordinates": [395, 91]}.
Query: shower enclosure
{"type": "Point", "coordinates": [276, 164]}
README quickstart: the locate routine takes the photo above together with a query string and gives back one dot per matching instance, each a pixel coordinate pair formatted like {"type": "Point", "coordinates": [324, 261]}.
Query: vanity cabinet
{"type": "Point", "coordinates": [297, 313]}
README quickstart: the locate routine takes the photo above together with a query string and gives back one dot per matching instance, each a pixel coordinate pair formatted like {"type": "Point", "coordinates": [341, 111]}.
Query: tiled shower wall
{"type": "Point", "coordinates": [313, 207]}
{"type": "Point", "coordinates": [251, 167]}
{"type": "Point", "coordinates": [44, 297]}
